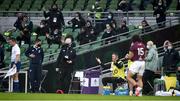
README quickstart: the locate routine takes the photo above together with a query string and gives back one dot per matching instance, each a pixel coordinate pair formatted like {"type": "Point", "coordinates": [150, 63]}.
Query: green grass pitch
{"type": "Point", "coordinates": [79, 97]}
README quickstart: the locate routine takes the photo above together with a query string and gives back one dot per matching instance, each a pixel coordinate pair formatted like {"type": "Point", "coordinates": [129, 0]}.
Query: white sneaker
{"type": "Point", "coordinates": [130, 93]}
{"type": "Point", "coordinates": [138, 91]}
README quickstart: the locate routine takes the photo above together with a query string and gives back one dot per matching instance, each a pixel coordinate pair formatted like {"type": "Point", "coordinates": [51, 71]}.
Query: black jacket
{"type": "Point", "coordinates": [170, 60]}
{"type": "Point", "coordinates": [39, 55]}
{"type": "Point", "coordinates": [77, 24]}
{"type": "Point", "coordinates": [56, 19]}
{"type": "Point", "coordinates": [66, 54]}
{"type": "Point", "coordinates": [42, 31]}
{"type": "Point", "coordinates": [122, 29]}
{"type": "Point", "coordinates": [161, 10]}
{"type": "Point", "coordinates": [108, 35]}
{"type": "Point", "coordinates": [1, 55]}
{"type": "Point", "coordinates": [86, 37]}
{"type": "Point", "coordinates": [18, 24]}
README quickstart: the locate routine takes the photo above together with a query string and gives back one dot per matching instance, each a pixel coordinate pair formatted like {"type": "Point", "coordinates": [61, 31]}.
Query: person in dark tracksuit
{"type": "Point", "coordinates": [1, 55]}
{"type": "Point", "coordinates": [65, 64]}
{"type": "Point", "coordinates": [36, 55]}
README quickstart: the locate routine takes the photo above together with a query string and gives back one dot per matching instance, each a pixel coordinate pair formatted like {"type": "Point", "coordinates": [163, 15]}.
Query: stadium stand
{"type": "Point", "coordinates": [66, 5]}
{"type": "Point", "coordinates": [11, 6]}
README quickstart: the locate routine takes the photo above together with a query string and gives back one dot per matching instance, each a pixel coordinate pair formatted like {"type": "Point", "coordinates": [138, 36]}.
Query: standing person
{"type": "Point", "coordinates": [118, 74]}
{"type": "Point", "coordinates": [15, 62]}
{"type": "Point", "coordinates": [150, 67]}
{"type": "Point", "coordinates": [55, 18]}
{"type": "Point", "coordinates": [160, 14]}
{"type": "Point", "coordinates": [36, 55]}
{"type": "Point", "coordinates": [137, 55]}
{"type": "Point", "coordinates": [178, 5]}
{"type": "Point", "coordinates": [18, 22]}
{"type": "Point", "coordinates": [170, 59]}
{"type": "Point", "coordinates": [26, 30]}
{"type": "Point", "coordinates": [65, 63]}
{"type": "Point", "coordinates": [1, 55]}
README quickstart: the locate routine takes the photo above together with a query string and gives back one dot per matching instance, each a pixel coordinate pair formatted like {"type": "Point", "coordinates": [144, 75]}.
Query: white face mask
{"type": "Point", "coordinates": [109, 17]}
{"type": "Point", "coordinates": [169, 47]}
{"type": "Point", "coordinates": [148, 47]}
{"type": "Point", "coordinates": [41, 26]}
{"type": "Point", "coordinates": [67, 41]}
{"type": "Point", "coordinates": [159, 4]}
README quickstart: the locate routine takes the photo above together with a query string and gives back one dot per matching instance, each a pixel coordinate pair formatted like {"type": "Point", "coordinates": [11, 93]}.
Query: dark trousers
{"type": "Point", "coordinates": [35, 75]}
{"type": "Point", "coordinates": [113, 80]}
{"type": "Point", "coordinates": [148, 79]}
{"type": "Point", "coordinates": [65, 78]}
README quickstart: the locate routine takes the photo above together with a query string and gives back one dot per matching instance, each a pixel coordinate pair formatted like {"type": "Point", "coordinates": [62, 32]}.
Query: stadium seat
{"type": "Point", "coordinates": [26, 5]}
{"type": "Point", "coordinates": [36, 5]}
{"type": "Point", "coordinates": [68, 6]}
{"type": "Point", "coordinates": [5, 5]}
{"type": "Point", "coordinates": [113, 5]}
{"type": "Point", "coordinates": [24, 47]}
{"type": "Point", "coordinates": [60, 3]}
{"type": "Point", "coordinates": [103, 4]}
{"type": "Point", "coordinates": [15, 5]}
{"type": "Point", "coordinates": [48, 3]}
{"type": "Point", "coordinates": [80, 5]}
{"type": "Point", "coordinates": [90, 3]}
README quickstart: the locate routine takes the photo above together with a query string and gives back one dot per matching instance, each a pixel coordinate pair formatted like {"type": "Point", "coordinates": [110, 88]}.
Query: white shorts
{"type": "Point", "coordinates": [137, 67]}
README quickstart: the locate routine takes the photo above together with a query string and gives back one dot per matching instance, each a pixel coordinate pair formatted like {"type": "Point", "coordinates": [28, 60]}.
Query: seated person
{"type": "Point", "coordinates": [109, 32]}
{"type": "Point", "coordinates": [118, 74]}
{"type": "Point", "coordinates": [54, 37]}
{"type": "Point", "coordinates": [122, 28]}
{"type": "Point", "coordinates": [43, 29]}
{"type": "Point", "coordinates": [145, 27]}
{"type": "Point", "coordinates": [77, 22]}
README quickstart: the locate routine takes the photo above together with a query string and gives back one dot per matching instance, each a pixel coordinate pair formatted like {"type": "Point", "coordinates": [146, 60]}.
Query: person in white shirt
{"type": "Point", "coordinates": [15, 62]}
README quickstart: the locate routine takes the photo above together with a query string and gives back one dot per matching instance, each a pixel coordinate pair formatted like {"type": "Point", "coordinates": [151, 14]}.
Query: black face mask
{"type": "Point", "coordinates": [54, 9]}
{"type": "Point", "coordinates": [39, 45]}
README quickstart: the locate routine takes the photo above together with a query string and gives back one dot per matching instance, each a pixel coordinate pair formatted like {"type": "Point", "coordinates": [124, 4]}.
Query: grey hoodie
{"type": "Point", "coordinates": [152, 59]}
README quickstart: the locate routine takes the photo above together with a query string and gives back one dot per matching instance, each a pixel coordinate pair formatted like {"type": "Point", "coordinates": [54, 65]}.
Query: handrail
{"type": "Point", "coordinates": [137, 11]}
{"type": "Point", "coordinates": [160, 53]}
{"type": "Point", "coordinates": [103, 41]}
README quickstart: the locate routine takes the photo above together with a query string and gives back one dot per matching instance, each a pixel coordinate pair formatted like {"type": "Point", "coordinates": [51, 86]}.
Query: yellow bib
{"type": "Point", "coordinates": [116, 72]}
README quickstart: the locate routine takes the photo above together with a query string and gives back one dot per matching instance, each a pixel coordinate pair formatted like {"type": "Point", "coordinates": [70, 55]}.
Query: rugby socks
{"type": "Point", "coordinates": [16, 86]}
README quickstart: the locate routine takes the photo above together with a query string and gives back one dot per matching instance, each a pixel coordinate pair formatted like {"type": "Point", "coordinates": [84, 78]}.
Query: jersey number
{"type": "Point", "coordinates": [140, 51]}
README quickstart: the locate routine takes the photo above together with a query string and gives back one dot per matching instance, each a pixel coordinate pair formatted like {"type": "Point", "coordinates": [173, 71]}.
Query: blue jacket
{"type": "Point", "coordinates": [39, 55]}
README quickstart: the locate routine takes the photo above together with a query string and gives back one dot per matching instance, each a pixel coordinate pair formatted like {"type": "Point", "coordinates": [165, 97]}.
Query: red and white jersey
{"type": "Point", "coordinates": [138, 49]}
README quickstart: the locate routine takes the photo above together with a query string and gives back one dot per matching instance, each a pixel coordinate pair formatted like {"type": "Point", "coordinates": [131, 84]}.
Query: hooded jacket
{"type": "Point", "coordinates": [152, 59]}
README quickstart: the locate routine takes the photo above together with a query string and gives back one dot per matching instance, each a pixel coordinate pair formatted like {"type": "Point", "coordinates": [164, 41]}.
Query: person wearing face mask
{"type": "Point", "coordinates": [43, 29]}
{"type": "Point", "coordinates": [160, 14]}
{"type": "Point", "coordinates": [151, 64]}
{"type": "Point", "coordinates": [54, 18]}
{"type": "Point", "coordinates": [110, 20]}
{"type": "Point", "coordinates": [123, 28]}
{"type": "Point", "coordinates": [108, 32]}
{"type": "Point", "coordinates": [170, 59]}
{"type": "Point", "coordinates": [77, 22]}
{"type": "Point", "coordinates": [178, 5]}
{"type": "Point", "coordinates": [26, 28]}
{"type": "Point", "coordinates": [123, 6]}
{"type": "Point", "coordinates": [65, 63]}
{"type": "Point", "coordinates": [36, 55]}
